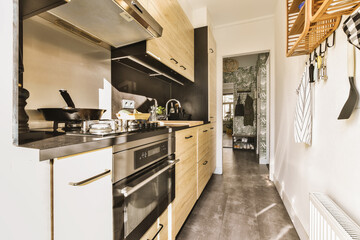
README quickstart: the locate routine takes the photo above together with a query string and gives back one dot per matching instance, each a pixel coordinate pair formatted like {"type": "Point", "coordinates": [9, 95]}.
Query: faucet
{"type": "Point", "coordinates": [167, 104]}
{"type": "Point", "coordinates": [153, 114]}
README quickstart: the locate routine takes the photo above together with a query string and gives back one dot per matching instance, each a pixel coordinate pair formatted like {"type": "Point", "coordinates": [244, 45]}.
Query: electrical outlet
{"type": "Point", "coordinates": [128, 104]}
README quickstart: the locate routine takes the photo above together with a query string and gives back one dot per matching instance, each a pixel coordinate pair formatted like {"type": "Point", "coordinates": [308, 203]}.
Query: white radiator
{"type": "Point", "coordinates": [329, 222]}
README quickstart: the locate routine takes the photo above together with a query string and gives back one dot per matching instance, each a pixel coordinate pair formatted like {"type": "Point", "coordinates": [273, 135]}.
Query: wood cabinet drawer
{"type": "Point", "coordinates": [203, 175]}
{"type": "Point", "coordinates": [185, 140]}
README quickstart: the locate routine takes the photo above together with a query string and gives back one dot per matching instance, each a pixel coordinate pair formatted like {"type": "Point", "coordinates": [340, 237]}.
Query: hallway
{"type": "Point", "coordinates": [240, 204]}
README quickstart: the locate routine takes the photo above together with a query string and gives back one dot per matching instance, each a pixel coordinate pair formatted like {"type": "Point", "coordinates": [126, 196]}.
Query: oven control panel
{"type": "Point", "coordinates": [149, 154]}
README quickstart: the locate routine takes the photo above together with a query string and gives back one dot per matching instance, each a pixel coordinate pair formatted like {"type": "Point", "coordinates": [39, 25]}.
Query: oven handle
{"type": "Point", "coordinates": [126, 191]}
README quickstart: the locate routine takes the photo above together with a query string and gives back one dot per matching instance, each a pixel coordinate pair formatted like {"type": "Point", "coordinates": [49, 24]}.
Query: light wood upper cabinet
{"type": "Point", "coordinates": [212, 76]}
{"type": "Point", "coordinates": [83, 211]}
{"type": "Point", "coordinates": [175, 48]}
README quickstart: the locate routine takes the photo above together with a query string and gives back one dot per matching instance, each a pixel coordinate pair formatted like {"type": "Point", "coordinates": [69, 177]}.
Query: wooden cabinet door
{"type": "Point", "coordinates": [164, 48]}
{"type": "Point", "coordinates": [212, 76]}
{"type": "Point", "coordinates": [203, 142]}
{"type": "Point", "coordinates": [175, 48]}
{"type": "Point", "coordinates": [185, 177]}
{"type": "Point", "coordinates": [212, 148]}
{"type": "Point", "coordinates": [185, 42]}
{"type": "Point", "coordinates": [203, 175]}
{"type": "Point", "coordinates": [83, 212]}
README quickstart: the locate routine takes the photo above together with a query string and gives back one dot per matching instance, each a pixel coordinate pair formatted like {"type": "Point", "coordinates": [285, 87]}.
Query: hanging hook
{"type": "Point", "coordinates": [315, 55]}
{"type": "Point", "coordinates": [322, 53]}
{"type": "Point", "coordinates": [333, 43]}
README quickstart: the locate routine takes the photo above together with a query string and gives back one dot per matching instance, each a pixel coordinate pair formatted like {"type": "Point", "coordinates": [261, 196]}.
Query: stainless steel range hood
{"type": "Point", "coordinates": [107, 23]}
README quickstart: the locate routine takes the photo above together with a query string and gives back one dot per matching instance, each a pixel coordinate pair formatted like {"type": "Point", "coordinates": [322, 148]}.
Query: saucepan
{"type": "Point", "coordinates": [70, 113]}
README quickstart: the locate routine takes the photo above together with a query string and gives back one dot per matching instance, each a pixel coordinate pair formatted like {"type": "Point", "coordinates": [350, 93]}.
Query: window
{"type": "Point", "coordinates": [228, 107]}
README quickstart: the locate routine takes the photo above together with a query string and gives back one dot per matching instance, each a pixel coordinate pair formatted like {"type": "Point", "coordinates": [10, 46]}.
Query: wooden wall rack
{"type": "Point", "coordinates": [309, 26]}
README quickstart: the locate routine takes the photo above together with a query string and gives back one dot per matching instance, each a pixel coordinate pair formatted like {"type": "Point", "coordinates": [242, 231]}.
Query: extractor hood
{"type": "Point", "coordinates": [136, 57]}
{"type": "Point", "coordinates": [108, 23]}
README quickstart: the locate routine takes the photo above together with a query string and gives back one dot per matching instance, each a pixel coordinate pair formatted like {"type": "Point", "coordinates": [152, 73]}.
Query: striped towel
{"type": "Point", "coordinates": [303, 114]}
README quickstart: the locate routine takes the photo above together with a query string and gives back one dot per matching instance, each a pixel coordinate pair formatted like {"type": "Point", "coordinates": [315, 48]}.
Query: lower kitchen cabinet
{"type": "Point", "coordinates": [82, 196]}
{"type": "Point", "coordinates": [185, 177]}
{"type": "Point", "coordinates": [206, 160]}
{"type": "Point", "coordinates": [195, 148]}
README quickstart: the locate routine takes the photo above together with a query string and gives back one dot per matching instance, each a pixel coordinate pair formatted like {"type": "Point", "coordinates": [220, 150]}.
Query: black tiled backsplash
{"type": "Point", "coordinates": [132, 84]}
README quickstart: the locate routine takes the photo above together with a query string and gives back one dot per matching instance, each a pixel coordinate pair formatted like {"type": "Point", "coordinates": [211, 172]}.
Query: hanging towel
{"type": "Point", "coordinates": [351, 28]}
{"type": "Point", "coordinates": [249, 111]}
{"type": "Point", "coordinates": [239, 108]}
{"type": "Point", "coordinates": [303, 114]}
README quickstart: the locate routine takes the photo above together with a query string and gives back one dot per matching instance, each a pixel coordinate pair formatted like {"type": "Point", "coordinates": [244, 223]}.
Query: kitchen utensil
{"type": "Point", "coordinates": [353, 93]}
{"type": "Point", "coordinates": [311, 73]}
{"type": "Point", "coordinates": [70, 113]}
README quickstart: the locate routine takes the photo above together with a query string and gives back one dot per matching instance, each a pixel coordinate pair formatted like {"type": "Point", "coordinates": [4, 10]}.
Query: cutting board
{"type": "Point", "coordinates": [175, 123]}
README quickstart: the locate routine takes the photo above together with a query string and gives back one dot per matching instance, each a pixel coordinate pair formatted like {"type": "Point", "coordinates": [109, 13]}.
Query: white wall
{"type": "Point", "coordinates": [24, 181]}
{"type": "Point", "coordinates": [246, 38]}
{"type": "Point", "coordinates": [331, 165]}
{"type": "Point", "coordinates": [55, 59]}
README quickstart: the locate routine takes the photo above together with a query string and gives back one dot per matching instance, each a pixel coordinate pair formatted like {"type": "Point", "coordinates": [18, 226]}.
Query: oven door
{"type": "Point", "coordinates": [140, 199]}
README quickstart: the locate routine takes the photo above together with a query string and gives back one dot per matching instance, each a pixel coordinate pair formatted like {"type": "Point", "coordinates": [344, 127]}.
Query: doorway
{"type": "Point", "coordinates": [245, 104]}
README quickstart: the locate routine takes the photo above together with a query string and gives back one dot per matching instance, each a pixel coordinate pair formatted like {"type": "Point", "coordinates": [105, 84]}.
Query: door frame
{"type": "Point", "coordinates": [270, 96]}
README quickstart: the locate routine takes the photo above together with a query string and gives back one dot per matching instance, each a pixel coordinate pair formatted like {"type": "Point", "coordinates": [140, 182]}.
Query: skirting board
{"type": "Point", "coordinates": [218, 171]}
{"type": "Point", "coordinates": [294, 218]}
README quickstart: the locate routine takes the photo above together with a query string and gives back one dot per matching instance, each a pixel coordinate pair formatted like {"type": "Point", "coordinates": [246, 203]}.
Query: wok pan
{"type": "Point", "coordinates": [70, 113]}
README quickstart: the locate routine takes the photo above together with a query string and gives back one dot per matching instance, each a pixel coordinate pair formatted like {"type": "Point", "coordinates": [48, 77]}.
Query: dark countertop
{"type": "Point", "coordinates": [65, 145]}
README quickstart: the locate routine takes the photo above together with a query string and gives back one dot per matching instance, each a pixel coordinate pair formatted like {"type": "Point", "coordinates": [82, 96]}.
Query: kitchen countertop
{"type": "Point", "coordinates": [65, 145]}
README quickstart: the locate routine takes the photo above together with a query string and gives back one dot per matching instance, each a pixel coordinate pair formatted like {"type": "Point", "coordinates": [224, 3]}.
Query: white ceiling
{"type": "Point", "coordinates": [230, 11]}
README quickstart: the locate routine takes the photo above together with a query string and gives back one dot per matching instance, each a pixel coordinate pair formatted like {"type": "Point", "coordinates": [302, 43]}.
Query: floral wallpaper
{"type": "Point", "coordinates": [244, 79]}
{"type": "Point", "coordinates": [262, 100]}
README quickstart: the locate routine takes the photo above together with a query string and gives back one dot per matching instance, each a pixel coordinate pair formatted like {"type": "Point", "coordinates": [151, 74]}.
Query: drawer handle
{"type": "Point", "coordinates": [189, 137]}
{"type": "Point", "coordinates": [212, 128]}
{"type": "Point", "coordinates": [136, 6]}
{"type": "Point", "coordinates": [173, 59]}
{"type": "Point", "coordinates": [206, 162]}
{"type": "Point", "coordinates": [205, 131]}
{"type": "Point", "coordinates": [92, 179]}
{"type": "Point", "coordinates": [212, 117]}
{"type": "Point", "coordinates": [157, 233]}
{"type": "Point", "coordinates": [183, 67]}
{"type": "Point", "coordinates": [211, 50]}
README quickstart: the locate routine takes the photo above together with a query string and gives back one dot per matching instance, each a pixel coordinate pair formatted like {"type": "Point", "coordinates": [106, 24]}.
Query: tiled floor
{"type": "Point", "coordinates": [240, 204]}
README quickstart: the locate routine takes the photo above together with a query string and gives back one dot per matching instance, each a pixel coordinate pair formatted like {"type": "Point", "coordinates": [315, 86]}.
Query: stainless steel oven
{"type": "Point", "coordinates": [143, 184]}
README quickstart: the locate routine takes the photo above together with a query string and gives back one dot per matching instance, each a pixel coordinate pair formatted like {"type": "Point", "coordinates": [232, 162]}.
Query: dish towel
{"type": "Point", "coordinates": [351, 28]}
{"type": "Point", "coordinates": [303, 113]}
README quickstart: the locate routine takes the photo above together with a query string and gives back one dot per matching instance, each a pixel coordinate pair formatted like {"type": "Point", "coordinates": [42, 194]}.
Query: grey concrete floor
{"type": "Point", "coordinates": [240, 204]}
{"type": "Point", "coordinates": [227, 141]}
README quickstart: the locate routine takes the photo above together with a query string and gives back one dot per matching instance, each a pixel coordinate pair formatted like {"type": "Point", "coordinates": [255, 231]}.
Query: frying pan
{"type": "Point", "coordinates": [70, 113]}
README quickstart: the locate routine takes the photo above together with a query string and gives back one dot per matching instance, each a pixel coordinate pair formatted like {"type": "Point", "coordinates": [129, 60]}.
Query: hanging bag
{"type": "Point", "coordinates": [239, 108]}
